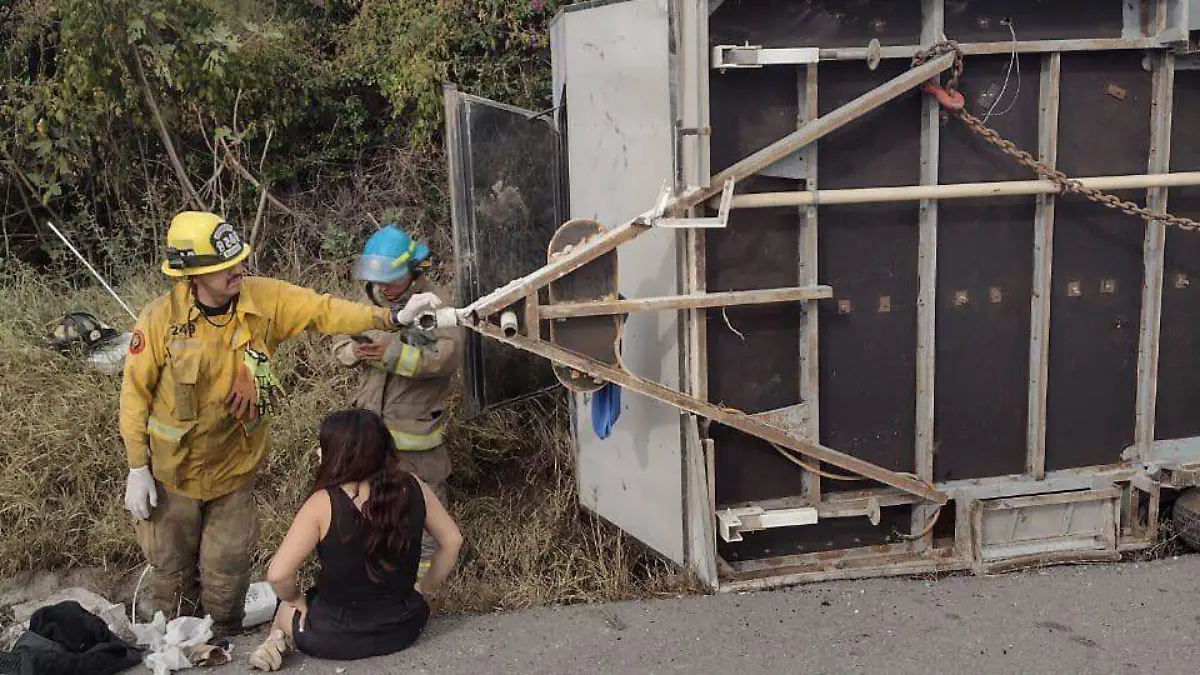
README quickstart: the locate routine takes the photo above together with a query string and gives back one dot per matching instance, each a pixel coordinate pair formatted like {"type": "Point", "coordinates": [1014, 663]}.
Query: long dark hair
{"type": "Point", "coordinates": [356, 446]}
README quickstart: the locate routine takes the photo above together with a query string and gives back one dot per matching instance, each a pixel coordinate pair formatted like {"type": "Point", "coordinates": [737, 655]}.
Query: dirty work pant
{"type": "Point", "coordinates": [201, 553]}
{"type": "Point", "coordinates": [433, 467]}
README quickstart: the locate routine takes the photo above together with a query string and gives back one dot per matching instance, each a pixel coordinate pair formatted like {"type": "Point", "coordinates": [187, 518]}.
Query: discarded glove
{"type": "Point", "coordinates": [269, 655]}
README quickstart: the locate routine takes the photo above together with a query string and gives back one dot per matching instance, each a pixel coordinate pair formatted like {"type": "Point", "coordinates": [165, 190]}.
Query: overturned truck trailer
{"type": "Point", "coordinates": [853, 331]}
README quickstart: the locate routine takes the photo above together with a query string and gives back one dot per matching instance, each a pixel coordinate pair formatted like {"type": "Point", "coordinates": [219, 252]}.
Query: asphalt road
{"type": "Point", "coordinates": [1119, 618]}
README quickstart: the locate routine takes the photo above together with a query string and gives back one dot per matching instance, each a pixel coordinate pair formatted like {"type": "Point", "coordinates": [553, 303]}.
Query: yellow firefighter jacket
{"type": "Point", "coordinates": [411, 386]}
{"type": "Point", "coordinates": [181, 366]}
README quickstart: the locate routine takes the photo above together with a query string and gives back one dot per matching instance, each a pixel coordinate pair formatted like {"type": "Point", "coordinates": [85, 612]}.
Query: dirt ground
{"type": "Point", "coordinates": [1120, 618]}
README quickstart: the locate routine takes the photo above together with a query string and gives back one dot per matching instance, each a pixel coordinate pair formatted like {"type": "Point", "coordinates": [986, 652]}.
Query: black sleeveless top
{"type": "Point", "coordinates": [343, 579]}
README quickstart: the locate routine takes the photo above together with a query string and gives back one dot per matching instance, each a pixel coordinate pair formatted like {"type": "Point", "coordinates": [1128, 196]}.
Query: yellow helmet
{"type": "Point", "coordinates": [200, 243]}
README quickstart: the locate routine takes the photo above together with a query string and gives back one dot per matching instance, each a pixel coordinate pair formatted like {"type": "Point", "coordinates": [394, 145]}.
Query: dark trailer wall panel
{"type": "Point", "coordinates": [984, 277]}
{"type": "Point", "coordinates": [1097, 281]}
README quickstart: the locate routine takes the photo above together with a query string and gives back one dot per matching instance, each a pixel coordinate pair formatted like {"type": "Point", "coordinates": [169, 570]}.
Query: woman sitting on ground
{"type": "Point", "coordinates": [364, 519]}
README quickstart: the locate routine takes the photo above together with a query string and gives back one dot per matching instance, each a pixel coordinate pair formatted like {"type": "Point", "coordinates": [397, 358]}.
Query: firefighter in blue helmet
{"type": "Point", "coordinates": [406, 376]}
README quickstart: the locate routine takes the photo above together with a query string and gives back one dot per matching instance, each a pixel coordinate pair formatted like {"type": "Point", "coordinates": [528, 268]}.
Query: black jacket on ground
{"type": "Point", "coordinates": [66, 639]}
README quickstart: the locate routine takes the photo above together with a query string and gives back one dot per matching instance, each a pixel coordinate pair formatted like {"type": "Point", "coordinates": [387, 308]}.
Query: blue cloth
{"type": "Point", "coordinates": [606, 409]}
{"type": "Point", "coordinates": [606, 405]}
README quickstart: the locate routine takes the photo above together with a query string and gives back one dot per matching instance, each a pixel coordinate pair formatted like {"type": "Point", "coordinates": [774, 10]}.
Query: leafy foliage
{"type": "Point", "coordinates": [304, 93]}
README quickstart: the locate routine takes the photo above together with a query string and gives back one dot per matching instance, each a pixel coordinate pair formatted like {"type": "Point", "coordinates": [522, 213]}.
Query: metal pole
{"type": "Point", "coordinates": [92, 270]}
{"type": "Point", "coordinates": [956, 190]}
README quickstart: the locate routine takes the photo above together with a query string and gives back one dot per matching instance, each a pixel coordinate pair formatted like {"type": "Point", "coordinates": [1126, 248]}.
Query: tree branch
{"type": "Point", "coordinates": [237, 166]}
{"type": "Point", "coordinates": [165, 135]}
{"type": "Point", "coordinates": [262, 199]}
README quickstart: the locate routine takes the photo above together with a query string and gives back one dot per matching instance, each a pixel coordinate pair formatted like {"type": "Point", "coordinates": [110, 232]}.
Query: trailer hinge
{"type": "Point", "coordinates": [753, 56]}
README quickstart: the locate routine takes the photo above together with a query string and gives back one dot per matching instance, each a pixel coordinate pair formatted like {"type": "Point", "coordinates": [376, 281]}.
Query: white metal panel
{"type": "Point", "coordinates": [620, 140]}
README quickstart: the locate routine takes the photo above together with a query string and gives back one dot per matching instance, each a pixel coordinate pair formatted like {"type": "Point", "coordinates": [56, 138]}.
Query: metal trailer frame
{"type": "Point", "coordinates": [999, 522]}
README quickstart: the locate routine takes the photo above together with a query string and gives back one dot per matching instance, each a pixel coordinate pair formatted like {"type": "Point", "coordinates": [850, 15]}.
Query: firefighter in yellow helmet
{"type": "Point", "coordinates": [196, 403]}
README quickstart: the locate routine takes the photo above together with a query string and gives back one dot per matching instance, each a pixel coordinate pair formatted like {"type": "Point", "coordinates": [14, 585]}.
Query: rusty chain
{"type": "Point", "coordinates": [1064, 182]}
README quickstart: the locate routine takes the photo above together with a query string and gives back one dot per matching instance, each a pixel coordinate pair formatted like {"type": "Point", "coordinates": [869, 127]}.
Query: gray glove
{"type": "Point", "coordinates": [418, 304]}
{"type": "Point", "coordinates": [141, 495]}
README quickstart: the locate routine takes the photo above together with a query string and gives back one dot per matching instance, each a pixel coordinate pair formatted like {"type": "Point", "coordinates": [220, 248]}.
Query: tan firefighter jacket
{"type": "Point", "coordinates": [411, 386]}
{"type": "Point", "coordinates": [181, 367]}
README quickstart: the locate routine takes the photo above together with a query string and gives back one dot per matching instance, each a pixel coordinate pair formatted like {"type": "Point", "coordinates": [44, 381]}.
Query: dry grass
{"type": "Point", "coordinates": [62, 484]}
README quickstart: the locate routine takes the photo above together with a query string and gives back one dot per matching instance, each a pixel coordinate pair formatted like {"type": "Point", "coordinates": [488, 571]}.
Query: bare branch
{"type": "Point", "coordinates": [237, 166]}
{"type": "Point", "coordinates": [262, 200]}
{"type": "Point", "coordinates": [165, 135]}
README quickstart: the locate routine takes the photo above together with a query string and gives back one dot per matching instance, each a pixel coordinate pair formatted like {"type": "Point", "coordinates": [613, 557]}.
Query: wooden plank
{"type": "Point", "coordinates": [1043, 260]}
{"type": "Point", "coordinates": [765, 296]}
{"type": "Point", "coordinates": [519, 288]}
{"type": "Point", "coordinates": [730, 418]}
{"type": "Point", "coordinates": [810, 372]}
{"type": "Point", "coordinates": [1159, 161]}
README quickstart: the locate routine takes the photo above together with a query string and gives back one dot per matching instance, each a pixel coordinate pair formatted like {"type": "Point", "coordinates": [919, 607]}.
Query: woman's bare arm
{"type": "Point", "coordinates": [444, 530]}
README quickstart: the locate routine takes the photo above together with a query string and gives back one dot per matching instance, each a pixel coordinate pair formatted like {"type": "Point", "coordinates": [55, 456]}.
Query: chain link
{"type": "Point", "coordinates": [1064, 182]}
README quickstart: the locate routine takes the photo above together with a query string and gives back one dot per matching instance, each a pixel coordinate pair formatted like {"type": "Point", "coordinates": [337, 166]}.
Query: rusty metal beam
{"type": "Point", "coordinates": [1159, 161]}
{"type": "Point", "coordinates": [765, 296]}
{"type": "Point", "coordinates": [730, 418]}
{"type": "Point", "coordinates": [1043, 261]}
{"type": "Point", "coordinates": [806, 273]}
{"type": "Point", "coordinates": [821, 126]}
{"type": "Point", "coordinates": [836, 119]}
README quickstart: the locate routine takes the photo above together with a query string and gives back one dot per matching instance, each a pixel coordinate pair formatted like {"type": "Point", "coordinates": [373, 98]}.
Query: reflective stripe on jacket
{"type": "Point", "coordinates": [181, 367]}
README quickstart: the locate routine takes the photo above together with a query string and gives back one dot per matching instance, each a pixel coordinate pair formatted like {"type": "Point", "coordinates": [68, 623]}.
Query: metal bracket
{"type": "Point", "coordinates": [721, 219]}
{"type": "Point", "coordinates": [731, 523]}
{"type": "Point", "coordinates": [747, 56]}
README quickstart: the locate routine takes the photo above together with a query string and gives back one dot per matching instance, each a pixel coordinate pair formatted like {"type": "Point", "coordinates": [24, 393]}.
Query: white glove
{"type": "Point", "coordinates": [141, 495]}
{"type": "Point", "coordinates": [418, 304]}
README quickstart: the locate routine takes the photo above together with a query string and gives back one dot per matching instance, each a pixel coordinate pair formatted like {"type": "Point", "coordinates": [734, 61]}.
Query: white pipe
{"type": "Point", "coordinates": [956, 190]}
{"type": "Point", "coordinates": [508, 323]}
{"type": "Point", "coordinates": [92, 270]}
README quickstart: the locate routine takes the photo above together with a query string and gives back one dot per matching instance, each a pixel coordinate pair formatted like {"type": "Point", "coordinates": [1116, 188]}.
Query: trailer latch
{"type": "Point", "coordinates": [731, 523]}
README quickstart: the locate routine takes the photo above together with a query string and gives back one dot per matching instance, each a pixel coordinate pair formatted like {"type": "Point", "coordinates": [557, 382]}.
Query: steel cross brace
{"type": "Point", "coordinates": [809, 133]}
{"type": "Point", "coordinates": [731, 418]}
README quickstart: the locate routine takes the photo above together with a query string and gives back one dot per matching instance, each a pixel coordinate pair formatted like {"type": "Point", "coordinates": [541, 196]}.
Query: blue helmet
{"type": "Point", "coordinates": [390, 256]}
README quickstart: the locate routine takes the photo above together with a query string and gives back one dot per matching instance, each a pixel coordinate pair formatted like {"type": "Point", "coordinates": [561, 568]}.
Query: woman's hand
{"type": "Point", "coordinates": [301, 604]}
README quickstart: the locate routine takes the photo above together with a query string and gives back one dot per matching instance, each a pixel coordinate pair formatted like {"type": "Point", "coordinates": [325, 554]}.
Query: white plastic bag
{"type": "Point", "coordinates": [260, 604]}
{"type": "Point", "coordinates": [169, 642]}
